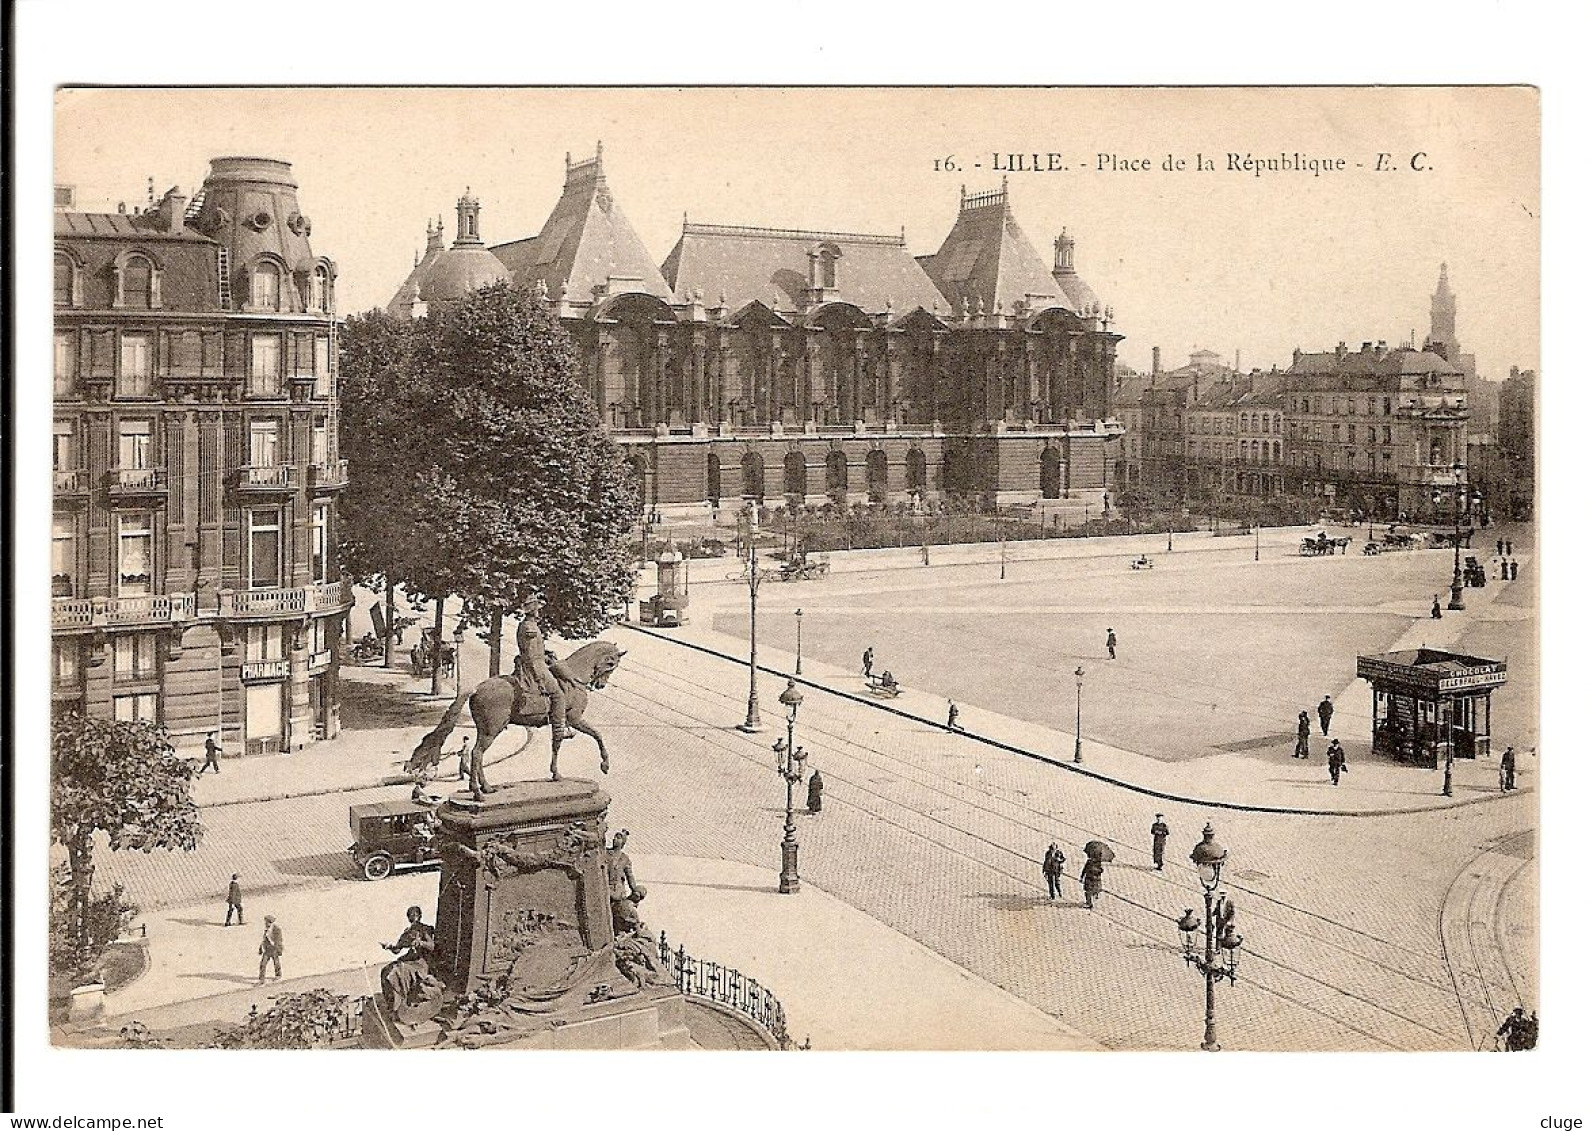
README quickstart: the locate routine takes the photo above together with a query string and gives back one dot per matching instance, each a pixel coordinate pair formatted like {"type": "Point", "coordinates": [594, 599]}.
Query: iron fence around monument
{"type": "Point", "coordinates": [724, 986]}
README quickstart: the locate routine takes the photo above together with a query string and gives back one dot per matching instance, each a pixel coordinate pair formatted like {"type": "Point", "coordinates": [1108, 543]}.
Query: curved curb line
{"type": "Point", "coordinates": [1236, 806]}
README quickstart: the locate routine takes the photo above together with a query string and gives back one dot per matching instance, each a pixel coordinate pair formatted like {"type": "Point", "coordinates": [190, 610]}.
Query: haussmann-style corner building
{"type": "Point", "coordinates": [803, 367]}
{"type": "Point", "coordinates": [196, 472]}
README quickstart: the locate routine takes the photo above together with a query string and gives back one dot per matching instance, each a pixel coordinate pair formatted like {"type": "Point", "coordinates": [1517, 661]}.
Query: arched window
{"type": "Point", "coordinates": [65, 280]}
{"type": "Point", "coordinates": [266, 289]}
{"type": "Point", "coordinates": [917, 470]}
{"type": "Point", "coordinates": [878, 476]}
{"type": "Point", "coordinates": [321, 291]}
{"type": "Point", "coordinates": [796, 475]}
{"type": "Point", "coordinates": [136, 278]}
{"type": "Point", "coordinates": [713, 479]}
{"type": "Point", "coordinates": [752, 476]}
{"type": "Point", "coordinates": [835, 473]}
{"type": "Point", "coordinates": [1051, 474]}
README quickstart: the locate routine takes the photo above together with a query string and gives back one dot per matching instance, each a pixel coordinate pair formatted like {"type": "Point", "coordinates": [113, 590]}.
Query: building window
{"type": "Point", "coordinates": [263, 443]}
{"type": "Point", "coordinates": [63, 557]}
{"type": "Point", "coordinates": [1388, 406]}
{"type": "Point", "coordinates": [262, 642]}
{"type": "Point", "coordinates": [266, 292]}
{"type": "Point", "coordinates": [1350, 432]}
{"type": "Point", "coordinates": [135, 554]}
{"type": "Point", "coordinates": [65, 278]}
{"type": "Point", "coordinates": [318, 543]}
{"type": "Point", "coordinates": [63, 451]}
{"type": "Point", "coordinates": [320, 453]}
{"type": "Point", "coordinates": [323, 366]}
{"type": "Point", "coordinates": [134, 657]}
{"type": "Point", "coordinates": [65, 365]}
{"type": "Point", "coordinates": [64, 663]}
{"type": "Point", "coordinates": [134, 375]}
{"type": "Point", "coordinates": [144, 708]}
{"type": "Point", "coordinates": [265, 364]}
{"type": "Point", "coordinates": [320, 291]}
{"type": "Point", "coordinates": [1388, 435]}
{"type": "Point", "coordinates": [265, 548]}
{"type": "Point", "coordinates": [137, 278]}
{"type": "Point", "coordinates": [135, 443]}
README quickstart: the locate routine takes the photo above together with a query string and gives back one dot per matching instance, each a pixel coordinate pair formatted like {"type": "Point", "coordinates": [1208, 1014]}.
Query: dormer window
{"type": "Point", "coordinates": [266, 290]}
{"type": "Point", "coordinates": [137, 283]}
{"type": "Point", "coordinates": [320, 291]}
{"type": "Point", "coordinates": [66, 284]}
{"type": "Point", "coordinates": [822, 267]}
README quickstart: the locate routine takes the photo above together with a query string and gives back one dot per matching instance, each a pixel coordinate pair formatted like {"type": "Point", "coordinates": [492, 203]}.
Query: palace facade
{"type": "Point", "coordinates": [811, 366]}
{"type": "Point", "coordinates": [196, 474]}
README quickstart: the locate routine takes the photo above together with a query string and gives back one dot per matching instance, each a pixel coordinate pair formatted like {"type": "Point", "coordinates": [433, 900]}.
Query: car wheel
{"type": "Point", "coordinates": [379, 867]}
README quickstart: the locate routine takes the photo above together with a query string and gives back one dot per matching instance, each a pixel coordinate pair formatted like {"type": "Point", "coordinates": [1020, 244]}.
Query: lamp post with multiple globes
{"type": "Point", "coordinates": [1221, 958]}
{"type": "Point", "coordinates": [790, 762]}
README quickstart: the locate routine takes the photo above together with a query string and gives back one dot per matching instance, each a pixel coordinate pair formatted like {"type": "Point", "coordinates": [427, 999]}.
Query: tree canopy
{"type": "Point", "coordinates": [498, 479]}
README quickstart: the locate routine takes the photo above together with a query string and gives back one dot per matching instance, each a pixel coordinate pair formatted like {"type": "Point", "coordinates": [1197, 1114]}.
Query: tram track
{"type": "Point", "coordinates": [1299, 979]}
{"type": "Point", "coordinates": [1473, 960]}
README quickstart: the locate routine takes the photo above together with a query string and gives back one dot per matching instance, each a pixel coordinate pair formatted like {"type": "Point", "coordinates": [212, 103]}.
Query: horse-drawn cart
{"type": "Point", "coordinates": [800, 566]}
{"type": "Point", "coordinates": [1322, 545]}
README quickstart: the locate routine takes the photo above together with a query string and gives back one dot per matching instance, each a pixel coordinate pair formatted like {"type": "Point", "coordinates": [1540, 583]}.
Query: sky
{"type": "Point", "coordinates": [1222, 259]}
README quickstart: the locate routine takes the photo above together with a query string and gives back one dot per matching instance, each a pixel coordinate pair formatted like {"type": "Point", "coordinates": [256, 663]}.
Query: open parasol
{"type": "Point", "coordinates": [1100, 850]}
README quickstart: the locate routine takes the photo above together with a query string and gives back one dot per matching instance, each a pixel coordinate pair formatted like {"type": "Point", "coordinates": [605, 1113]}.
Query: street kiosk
{"type": "Point", "coordinates": [1429, 705]}
{"type": "Point", "coordinates": [667, 607]}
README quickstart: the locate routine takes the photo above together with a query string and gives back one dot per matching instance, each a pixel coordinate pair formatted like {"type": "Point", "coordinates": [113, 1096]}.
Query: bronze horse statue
{"type": "Point", "coordinates": [498, 703]}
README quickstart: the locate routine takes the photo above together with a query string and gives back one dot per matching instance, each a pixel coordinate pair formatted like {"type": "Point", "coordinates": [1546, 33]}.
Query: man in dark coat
{"type": "Point", "coordinates": [1159, 835]}
{"type": "Point", "coordinates": [234, 901]}
{"type": "Point", "coordinates": [1510, 548]}
{"type": "Point", "coordinates": [1507, 770]}
{"type": "Point", "coordinates": [1111, 644]}
{"type": "Point", "coordinates": [212, 754]}
{"type": "Point", "coordinates": [951, 716]}
{"type": "Point", "coordinates": [1335, 760]}
{"type": "Point", "coordinates": [868, 662]}
{"type": "Point", "coordinates": [1515, 569]}
{"type": "Point", "coordinates": [1302, 736]}
{"type": "Point", "coordinates": [1324, 711]}
{"type": "Point", "coordinates": [815, 792]}
{"type": "Point", "coordinates": [1499, 546]}
{"type": "Point", "coordinates": [1051, 867]}
{"type": "Point", "coordinates": [271, 948]}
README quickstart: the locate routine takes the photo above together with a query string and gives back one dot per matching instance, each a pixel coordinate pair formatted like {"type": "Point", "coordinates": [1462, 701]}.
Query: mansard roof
{"type": "Point", "coordinates": [587, 248]}
{"type": "Point", "coordinates": [186, 258]}
{"type": "Point", "coordinates": [1313, 370]}
{"type": "Point", "coordinates": [988, 261]}
{"type": "Point", "coordinates": [771, 265]}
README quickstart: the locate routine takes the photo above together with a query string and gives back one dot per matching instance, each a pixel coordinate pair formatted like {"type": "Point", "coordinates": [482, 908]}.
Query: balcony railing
{"type": "Point", "coordinates": [261, 602]}
{"type": "Point", "coordinates": [93, 612]}
{"type": "Point", "coordinates": [274, 477]}
{"type": "Point", "coordinates": [254, 670]}
{"type": "Point", "coordinates": [329, 475]}
{"type": "Point", "coordinates": [71, 482]}
{"type": "Point", "coordinates": [328, 597]}
{"type": "Point", "coordinates": [129, 482]}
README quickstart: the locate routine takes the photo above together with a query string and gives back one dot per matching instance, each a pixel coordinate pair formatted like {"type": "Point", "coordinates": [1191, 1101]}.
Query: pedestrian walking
{"type": "Point", "coordinates": [815, 792]}
{"type": "Point", "coordinates": [868, 662]}
{"type": "Point", "coordinates": [271, 949]}
{"type": "Point", "coordinates": [1514, 569]}
{"type": "Point", "coordinates": [463, 754]}
{"type": "Point", "coordinates": [1499, 546]}
{"type": "Point", "coordinates": [1513, 1029]}
{"type": "Point", "coordinates": [1504, 569]}
{"type": "Point", "coordinates": [1090, 878]}
{"type": "Point", "coordinates": [212, 754]}
{"type": "Point", "coordinates": [1159, 835]}
{"type": "Point", "coordinates": [924, 550]}
{"type": "Point", "coordinates": [1438, 612]}
{"type": "Point", "coordinates": [951, 716]}
{"type": "Point", "coordinates": [1051, 867]}
{"type": "Point", "coordinates": [1111, 644]}
{"type": "Point", "coordinates": [1510, 548]}
{"type": "Point", "coordinates": [1336, 761]}
{"type": "Point", "coordinates": [1324, 712]}
{"type": "Point", "coordinates": [234, 901]}
{"type": "Point", "coordinates": [1302, 736]}
{"type": "Point", "coordinates": [1507, 770]}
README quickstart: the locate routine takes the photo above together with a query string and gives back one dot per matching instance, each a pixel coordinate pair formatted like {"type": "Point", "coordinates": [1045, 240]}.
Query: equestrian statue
{"type": "Point", "coordinates": [543, 691]}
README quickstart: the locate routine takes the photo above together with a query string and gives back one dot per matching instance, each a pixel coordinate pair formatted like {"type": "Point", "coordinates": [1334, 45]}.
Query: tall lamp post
{"type": "Point", "coordinates": [459, 654]}
{"type": "Point", "coordinates": [1221, 959]}
{"type": "Point", "coordinates": [1078, 715]}
{"type": "Point", "coordinates": [799, 642]}
{"type": "Point", "coordinates": [790, 761]}
{"type": "Point", "coordinates": [1456, 584]}
{"type": "Point", "coordinates": [754, 722]}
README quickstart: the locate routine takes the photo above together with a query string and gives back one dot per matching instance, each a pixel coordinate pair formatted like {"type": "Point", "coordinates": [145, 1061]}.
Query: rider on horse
{"type": "Point", "coordinates": [536, 671]}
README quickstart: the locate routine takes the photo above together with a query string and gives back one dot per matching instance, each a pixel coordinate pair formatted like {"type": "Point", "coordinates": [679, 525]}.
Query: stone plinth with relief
{"type": "Point", "coordinates": [525, 939]}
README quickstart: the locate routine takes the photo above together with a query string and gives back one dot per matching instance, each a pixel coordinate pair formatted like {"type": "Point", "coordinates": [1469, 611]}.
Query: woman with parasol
{"type": "Point", "coordinates": [1098, 854]}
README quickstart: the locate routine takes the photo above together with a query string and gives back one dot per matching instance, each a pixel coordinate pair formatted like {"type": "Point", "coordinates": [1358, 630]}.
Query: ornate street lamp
{"type": "Point", "coordinates": [1078, 716]}
{"type": "Point", "coordinates": [799, 642]}
{"type": "Point", "coordinates": [754, 722]}
{"type": "Point", "coordinates": [1221, 958]}
{"type": "Point", "coordinates": [459, 655]}
{"type": "Point", "coordinates": [789, 762]}
{"type": "Point", "coordinates": [1456, 602]}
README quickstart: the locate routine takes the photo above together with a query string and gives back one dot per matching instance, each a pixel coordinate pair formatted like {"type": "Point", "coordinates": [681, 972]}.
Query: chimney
{"type": "Point", "coordinates": [1366, 347]}
{"type": "Point", "coordinates": [1236, 361]}
{"type": "Point", "coordinates": [1156, 360]}
{"type": "Point", "coordinates": [171, 209]}
{"type": "Point", "coordinates": [1340, 350]}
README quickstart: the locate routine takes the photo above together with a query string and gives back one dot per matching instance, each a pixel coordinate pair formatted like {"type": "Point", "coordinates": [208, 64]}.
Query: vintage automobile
{"type": "Point", "coordinates": [390, 834]}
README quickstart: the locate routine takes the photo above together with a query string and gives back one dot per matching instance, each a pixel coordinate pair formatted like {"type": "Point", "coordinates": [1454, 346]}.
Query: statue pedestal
{"type": "Point", "coordinates": [525, 932]}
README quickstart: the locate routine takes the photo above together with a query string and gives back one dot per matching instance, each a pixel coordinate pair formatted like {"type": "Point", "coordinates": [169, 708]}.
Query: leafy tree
{"type": "Point", "coordinates": [121, 779]}
{"type": "Point", "coordinates": [508, 486]}
{"type": "Point", "coordinates": [79, 941]}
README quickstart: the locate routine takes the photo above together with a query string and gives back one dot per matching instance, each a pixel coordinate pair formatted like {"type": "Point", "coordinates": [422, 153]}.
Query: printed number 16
{"type": "Point", "coordinates": [946, 165]}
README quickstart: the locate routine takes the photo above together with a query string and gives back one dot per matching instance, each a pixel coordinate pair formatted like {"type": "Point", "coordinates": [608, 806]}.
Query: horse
{"type": "Point", "coordinates": [492, 708]}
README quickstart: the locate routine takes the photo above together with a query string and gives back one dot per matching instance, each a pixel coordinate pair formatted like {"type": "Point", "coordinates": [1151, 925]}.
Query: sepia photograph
{"type": "Point", "coordinates": [599, 569]}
